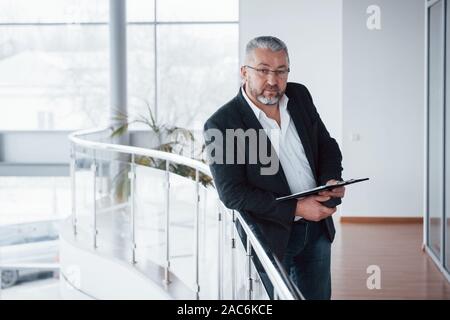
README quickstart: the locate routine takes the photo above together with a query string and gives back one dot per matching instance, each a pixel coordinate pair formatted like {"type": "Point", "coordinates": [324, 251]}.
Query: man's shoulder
{"type": "Point", "coordinates": [301, 96]}
{"type": "Point", "coordinates": [294, 88]}
{"type": "Point", "coordinates": [225, 114]}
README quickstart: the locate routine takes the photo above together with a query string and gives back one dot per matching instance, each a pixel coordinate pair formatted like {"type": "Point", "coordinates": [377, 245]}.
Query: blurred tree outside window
{"type": "Point", "coordinates": [54, 61]}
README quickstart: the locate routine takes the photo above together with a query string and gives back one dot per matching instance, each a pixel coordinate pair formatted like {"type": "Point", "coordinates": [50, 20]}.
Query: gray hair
{"type": "Point", "coordinates": [265, 42]}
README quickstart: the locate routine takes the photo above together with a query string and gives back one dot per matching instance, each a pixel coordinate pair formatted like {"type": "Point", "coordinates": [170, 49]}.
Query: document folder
{"type": "Point", "coordinates": [319, 189]}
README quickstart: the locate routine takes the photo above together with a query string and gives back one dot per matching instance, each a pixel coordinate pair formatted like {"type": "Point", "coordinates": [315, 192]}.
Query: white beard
{"type": "Point", "coordinates": [268, 101]}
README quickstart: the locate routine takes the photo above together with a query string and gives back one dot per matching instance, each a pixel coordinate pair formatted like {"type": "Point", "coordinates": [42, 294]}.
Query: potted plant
{"type": "Point", "coordinates": [172, 139]}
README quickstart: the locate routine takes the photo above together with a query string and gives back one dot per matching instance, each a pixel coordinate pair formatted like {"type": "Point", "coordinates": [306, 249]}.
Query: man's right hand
{"type": "Point", "coordinates": [310, 208]}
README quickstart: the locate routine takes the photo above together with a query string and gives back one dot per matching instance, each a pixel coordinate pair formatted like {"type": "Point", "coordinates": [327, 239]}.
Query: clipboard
{"type": "Point", "coordinates": [319, 189]}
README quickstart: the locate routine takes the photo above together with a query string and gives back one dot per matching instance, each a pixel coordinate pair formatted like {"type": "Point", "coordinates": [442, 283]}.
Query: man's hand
{"type": "Point", "coordinates": [334, 193]}
{"type": "Point", "coordinates": [310, 208]}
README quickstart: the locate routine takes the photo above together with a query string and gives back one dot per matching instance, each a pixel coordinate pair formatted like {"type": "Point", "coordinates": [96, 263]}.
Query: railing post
{"type": "Point", "coordinates": [73, 162]}
{"type": "Point", "coordinates": [94, 174]}
{"type": "Point", "coordinates": [249, 270]}
{"type": "Point", "coordinates": [167, 267]}
{"type": "Point", "coordinates": [132, 177]}
{"type": "Point", "coordinates": [203, 209]}
{"type": "Point", "coordinates": [233, 256]}
{"type": "Point", "coordinates": [219, 251]}
{"type": "Point", "coordinates": [197, 230]}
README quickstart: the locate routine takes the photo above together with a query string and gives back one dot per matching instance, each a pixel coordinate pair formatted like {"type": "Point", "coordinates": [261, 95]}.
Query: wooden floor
{"type": "Point", "coordinates": [407, 272]}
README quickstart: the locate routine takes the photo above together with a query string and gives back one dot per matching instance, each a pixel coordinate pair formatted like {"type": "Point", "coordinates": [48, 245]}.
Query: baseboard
{"type": "Point", "coordinates": [387, 220]}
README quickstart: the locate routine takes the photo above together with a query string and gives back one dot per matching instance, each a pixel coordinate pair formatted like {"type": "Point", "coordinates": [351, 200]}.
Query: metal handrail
{"type": "Point", "coordinates": [282, 285]}
{"type": "Point", "coordinates": [278, 279]}
{"type": "Point", "coordinates": [137, 151]}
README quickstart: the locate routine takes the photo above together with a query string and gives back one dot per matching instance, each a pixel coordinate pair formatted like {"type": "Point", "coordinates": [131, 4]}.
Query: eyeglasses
{"type": "Point", "coordinates": [265, 72]}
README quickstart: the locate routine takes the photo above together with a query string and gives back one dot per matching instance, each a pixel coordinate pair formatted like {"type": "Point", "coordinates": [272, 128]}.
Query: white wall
{"type": "Point", "coordinates": [383, 95]}
{"type": "Point", "coordinates": [366, 83]}
{"type": "Point", "coordinates": [312, 31]}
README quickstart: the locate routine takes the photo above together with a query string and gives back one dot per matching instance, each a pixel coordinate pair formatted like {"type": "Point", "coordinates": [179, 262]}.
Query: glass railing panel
{"type": "Point", "coordinates": [113, 205]}
{"type": "Point", "coordinates": [208, 241]}
{"type": "Point", "coordinates": [150, 212]}
{"type": "Point", "coordinates": [83, 193]}
{"type": "Point", "coordinates": [150, 206]}
{"type": "Point", "coordinates": [183, 228]}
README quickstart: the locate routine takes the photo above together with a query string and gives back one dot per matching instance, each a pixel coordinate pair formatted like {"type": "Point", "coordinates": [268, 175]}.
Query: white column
{"type": "Point", "coordinates": [118, 64]}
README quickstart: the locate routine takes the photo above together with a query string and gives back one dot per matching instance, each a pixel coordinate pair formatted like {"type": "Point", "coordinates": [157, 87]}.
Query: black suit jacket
{"type": "Point", "coordinates": [242, 187]}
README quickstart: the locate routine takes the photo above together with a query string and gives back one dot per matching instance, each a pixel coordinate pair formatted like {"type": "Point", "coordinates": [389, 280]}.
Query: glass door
{"type": "Point", "coordinates": [436, 131]}
{"type": "Point", "coordinates": [447, 147]}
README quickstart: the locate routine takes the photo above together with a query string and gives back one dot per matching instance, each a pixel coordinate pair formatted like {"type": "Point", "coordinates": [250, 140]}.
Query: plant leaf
{"type": "Point", "coordinates": [120, 130]}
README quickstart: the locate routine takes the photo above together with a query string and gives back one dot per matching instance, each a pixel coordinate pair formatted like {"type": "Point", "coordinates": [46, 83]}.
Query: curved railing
{"type": "Point", "coordinates": [118, 192]}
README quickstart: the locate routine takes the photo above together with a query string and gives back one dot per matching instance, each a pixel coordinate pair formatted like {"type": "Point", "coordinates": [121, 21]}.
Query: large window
{"type": "Point", "coordinates": [53, 64]}
{"type": "Point", "coordinates": [54, 61]}
{"type": "Point", "coordinates": [182, 61]}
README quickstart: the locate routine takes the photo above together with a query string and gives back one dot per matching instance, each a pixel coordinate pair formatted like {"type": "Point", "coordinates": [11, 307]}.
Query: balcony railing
{"type": "Point", "coordinates": [133, 204]}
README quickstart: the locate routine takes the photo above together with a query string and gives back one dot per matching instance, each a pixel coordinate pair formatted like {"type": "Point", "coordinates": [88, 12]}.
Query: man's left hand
{"type": "Point", "coordinates": [334, 193]}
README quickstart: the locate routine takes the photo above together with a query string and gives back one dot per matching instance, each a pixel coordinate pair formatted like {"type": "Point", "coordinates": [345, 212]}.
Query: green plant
{"type": "Point", "coordinates": [171, 139]}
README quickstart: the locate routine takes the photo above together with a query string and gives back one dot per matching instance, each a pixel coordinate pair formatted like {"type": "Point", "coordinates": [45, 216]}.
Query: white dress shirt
{"type": "Point", "coordinates": [287, 145]}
